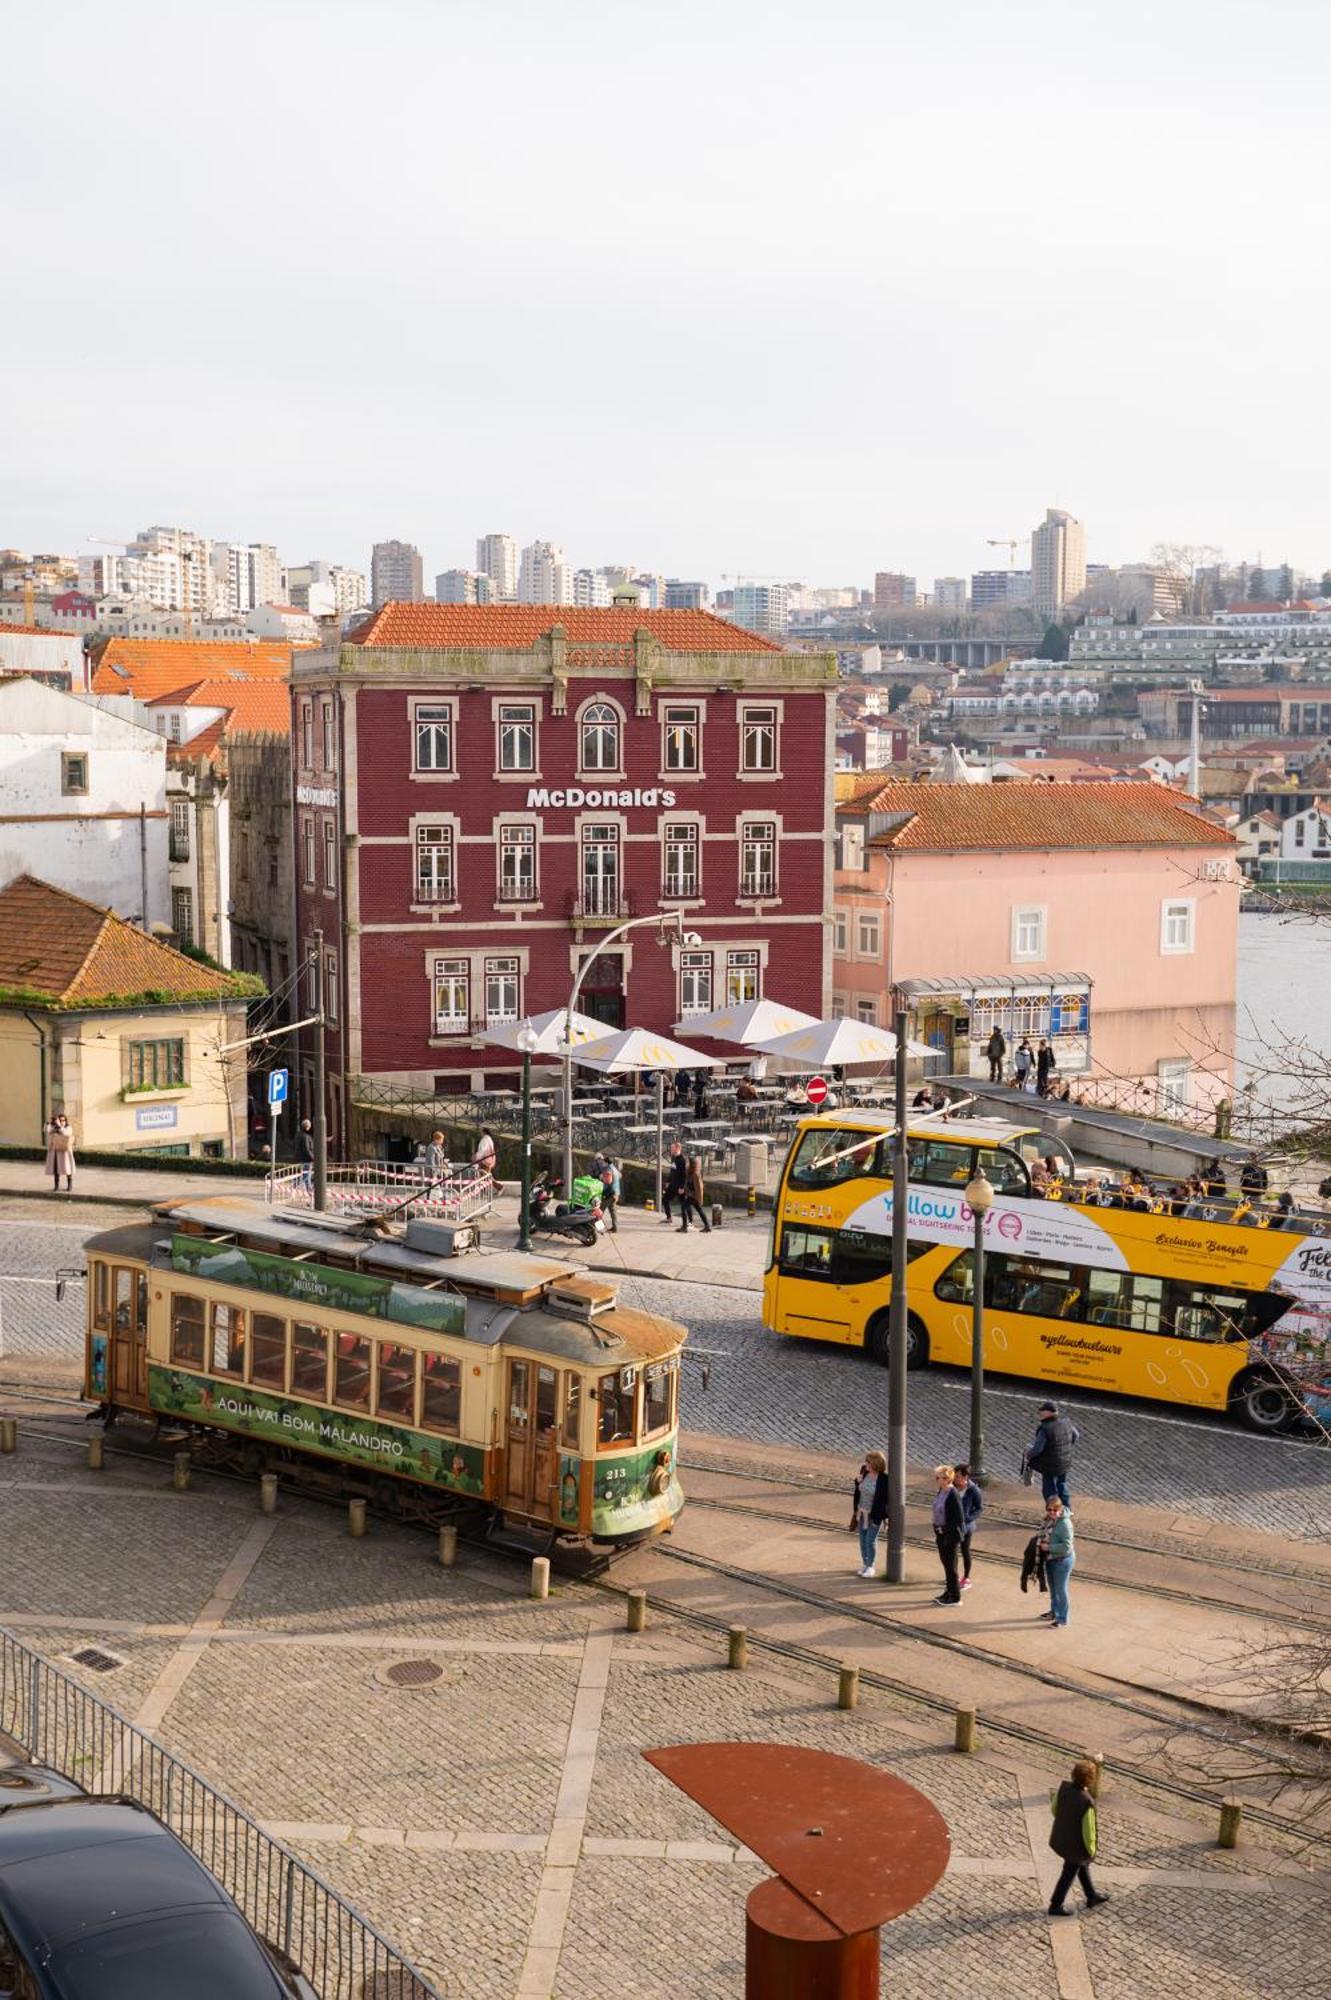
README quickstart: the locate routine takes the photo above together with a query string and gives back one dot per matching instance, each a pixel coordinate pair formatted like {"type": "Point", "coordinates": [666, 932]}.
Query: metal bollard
{"type": "Point", "coordinates": [448, 1546]}
{"type": "Point", "coordinates": [356, 1518]}
{"type": "Point", "coordinates": [637, 1610]}
{"type": "Point", "coordinates": [1098, 1780]}
{"type": "Point", "coordinates": [540, 1577]}
{"type": "Point", "coordinates": [965, 1732]}
{"type": "Point", "coordinates": [268, 1492]}
{"type": "Point", "coordinates": [739, 1648]}
{"type": "Point", "coordinates": [8, 1433]}
{"type": "Point", "coordinates": [1231, 1818]}
{"type": "Point", "coordinates": [96, 1454]}
{"type": "Point", "coordinates": [718, 1214]}
{"type": "Point", "coordinates": [848, 1688]}
{"type": "Point", "coordinates": [180, 1472]}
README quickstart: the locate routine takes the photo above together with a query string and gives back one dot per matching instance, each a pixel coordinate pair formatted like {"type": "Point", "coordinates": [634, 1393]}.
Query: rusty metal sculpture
{"type": "Point", "coordinates": [852, 1847]}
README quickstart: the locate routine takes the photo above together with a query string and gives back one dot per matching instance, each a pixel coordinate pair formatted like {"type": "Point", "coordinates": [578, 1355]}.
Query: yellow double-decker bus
{"type": "Point", "coordinates": [1219, 1306]}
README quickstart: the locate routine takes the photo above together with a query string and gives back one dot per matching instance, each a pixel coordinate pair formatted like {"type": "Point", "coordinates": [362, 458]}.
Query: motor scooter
{"type": "Point", "coordinates": [547, 1216]}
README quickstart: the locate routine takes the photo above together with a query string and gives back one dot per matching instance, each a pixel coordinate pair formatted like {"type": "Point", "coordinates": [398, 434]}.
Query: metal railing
{"type": "Point", "coordinates": [66, 1727]}
{"type": "Point", "coordinates": [365, 1186]}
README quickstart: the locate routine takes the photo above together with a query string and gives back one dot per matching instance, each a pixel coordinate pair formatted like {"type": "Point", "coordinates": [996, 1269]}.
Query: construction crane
{"type": "Point", "coordinates": [1009, 542]}
{"type": "Point", "coordinates": [186, 559]}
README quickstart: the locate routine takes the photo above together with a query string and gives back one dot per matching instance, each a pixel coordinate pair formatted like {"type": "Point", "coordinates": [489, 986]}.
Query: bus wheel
{"type": "Point", "coordinates": [1261, 1403]}
{"type": "Point", "coordinates": [878, 1340]}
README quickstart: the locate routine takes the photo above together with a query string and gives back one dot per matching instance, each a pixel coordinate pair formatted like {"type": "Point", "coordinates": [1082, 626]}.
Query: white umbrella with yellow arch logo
{"type": "Point", "coordinates": [636, 1049]}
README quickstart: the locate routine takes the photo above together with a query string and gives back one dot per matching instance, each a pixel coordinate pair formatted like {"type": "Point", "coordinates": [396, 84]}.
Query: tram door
{"type": "Point", "coordinates": [129, 1336]}
{"type": "Point", "coordinates": [533, 1414]}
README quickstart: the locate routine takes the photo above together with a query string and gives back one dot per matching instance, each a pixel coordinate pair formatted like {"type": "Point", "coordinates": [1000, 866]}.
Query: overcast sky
{"type": "Point", "coordinates": [746, 286]}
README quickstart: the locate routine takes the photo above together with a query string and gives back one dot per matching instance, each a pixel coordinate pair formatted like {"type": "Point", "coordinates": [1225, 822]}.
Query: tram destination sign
{"type": "Point", "coordinates": [317, 1285]}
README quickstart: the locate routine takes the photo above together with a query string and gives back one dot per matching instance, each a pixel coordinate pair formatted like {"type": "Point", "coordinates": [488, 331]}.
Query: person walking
{"type": "Point", "coordinates": [1051, 1452]}
{"type": "Point", "coordinates": [1073, 1837]}
{"type": "Point", "coordinates": [700, 1095]}
{"type": "Point", "coordinates": [59, 1152]}
{"type": "Point", "coordinates": [868, 1507]}
{"type": "Point", "coordinates": [436, 1156]}
{"type": "Point", "coordinates": [676, 1170]}
{"type": "Point", "coordinates": [949, 1531]}
{"type": "Point", "coordinates": [995, 1049]}
{"type": "Point", "coordinates": [484, 1156]}
{"type": "Point", "coordinates": [972, 1506]}
{"type": "Point", "coordinates": [610, 1186]}
{"type": "Point", "coordinates": [694, 1196]}
{"type": "Point", "coordinates": [1022, 1062]}
{"type": "Point", "coordinates": [1060, 1556]}
{"type": "Point", "coordinates": [305, 1153]}
{"type": "Point", "coordinates": [1044, 1069]}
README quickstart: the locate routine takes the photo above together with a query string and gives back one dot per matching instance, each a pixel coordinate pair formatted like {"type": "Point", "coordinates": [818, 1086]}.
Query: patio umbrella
{"type": "Point", "coordinates": [750, 1022]}
{"type": "Point", "coordinates": [828, 1044]}
{"type": "Point", "coordinates": [636, 1049]}
{"type": "Point", "coordinates": [548, 1030]}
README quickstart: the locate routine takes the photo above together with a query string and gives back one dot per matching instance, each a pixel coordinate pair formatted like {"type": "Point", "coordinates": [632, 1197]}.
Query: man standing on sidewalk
{"type": "Point", "coordinates": [1051, 1452]}
{"type": "Point", "coordinates": [676, 1171]}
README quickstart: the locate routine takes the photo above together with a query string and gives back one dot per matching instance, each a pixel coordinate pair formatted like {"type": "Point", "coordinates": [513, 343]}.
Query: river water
{"type": "Point", "coordinates": [1284, 996]}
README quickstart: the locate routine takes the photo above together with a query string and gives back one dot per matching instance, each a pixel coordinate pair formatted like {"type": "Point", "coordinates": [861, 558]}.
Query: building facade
{"type": "Point", "coordinates": [497, 558]}
{"type": "Point", "coordinates": [1058, 562]}
{"type": "Point", "coordinates": [950, 593]}
{"type": "Point", "coordinates": [762, 607]}
{"type": "Point", "coordinates": [463, 586]}
{"type": "Point", "coordinates": [892, 591]}
{"type": "Point", "coordinates": [396, 572]}
{"type": "Point", "coordinates": [545, 575]}
{"type": "Point", "coordinates": [481, 795]}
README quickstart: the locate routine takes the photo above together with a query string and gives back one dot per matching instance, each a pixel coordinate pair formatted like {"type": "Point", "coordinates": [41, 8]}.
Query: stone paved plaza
{"type": "Point", "coordinates": [500, 1823]}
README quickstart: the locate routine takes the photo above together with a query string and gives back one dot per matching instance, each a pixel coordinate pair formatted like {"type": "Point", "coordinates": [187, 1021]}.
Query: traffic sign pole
{"type": "Point", "coordinates": [816, 1091]}
{"type": "Point", "coordinates": [277, 1097]}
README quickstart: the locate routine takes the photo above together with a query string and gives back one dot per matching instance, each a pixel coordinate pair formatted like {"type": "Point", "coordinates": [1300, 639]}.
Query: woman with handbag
{"type": "Point", "coordinates": [868, 1507]}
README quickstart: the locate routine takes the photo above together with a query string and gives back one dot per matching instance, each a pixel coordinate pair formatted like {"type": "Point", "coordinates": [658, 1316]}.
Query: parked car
{"type": "Point", "coordinates": [99, 1899]}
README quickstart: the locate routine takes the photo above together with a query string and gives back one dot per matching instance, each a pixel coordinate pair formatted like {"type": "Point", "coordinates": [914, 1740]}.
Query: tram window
{"type": "Point", "coordinates": [188, 1327]}
{"type": "Point", "coordinates": [656, 1384]}
{"type": "Point", "coordinates": [397, 1381]}
{"type": "Point", "coordinates": [441, 1393]}
{"type": "Point", "coordinates": [101, 1296]}
{"type": "Point", "coordinates": [1003, 1170]}
{"type": "Point", "coordinates": [124, 1299]}
{"type": "Point", "coordinates": [268, 1364]}
{"type": "Point", "coordinates": [351, 1371]}
{"type": "Point", "coordinates": [228, 1339]}
{"type": "Point", "coordinates": [1025, 1285]}
{"type": "Point", "coordinates": [568, 1435]}
{"type": "Point", "coordinates": [309, 1361]}
{"type": "Point", "coordinates": [824, 1158]}
{"type": "Point", "coordinates": [547, 1399]}
{"type": "Point", "coordinates": [141, 1302]}
{"type": "Point", "coordinates": [616, 1398]}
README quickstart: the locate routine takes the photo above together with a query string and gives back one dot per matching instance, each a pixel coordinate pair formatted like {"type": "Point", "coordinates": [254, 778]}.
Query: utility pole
{"type": "Point", "coordinates": [320, 1092]}
{"type": "Point", "coordinates": [896, 1357]}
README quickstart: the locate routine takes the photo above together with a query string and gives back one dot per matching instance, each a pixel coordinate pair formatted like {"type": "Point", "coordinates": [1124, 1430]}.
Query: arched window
{"type": "Point", "coordinates": [599, 738]}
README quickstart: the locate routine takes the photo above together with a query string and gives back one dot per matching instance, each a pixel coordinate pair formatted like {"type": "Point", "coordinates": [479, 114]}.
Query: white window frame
{"type": "Point", "coordinates": [182, 903]}
{"type": "Point", "coordinates": [1026, 916]}
{"type": "Point", "coordinates": [528, 842]}
{"type": "Point", "coordinates": [455, 974]}
{"type": "Point", "coordinates": [329, 735]}
{"type": "Point", "coordinates": [681, 841]}
{"type": "Point", "coordinates": [585, 845]}
{"type": "Point", "coordinates": [1173, 1085]}
{"type": "Point", "coordinates": [755, 834]}
{"type": "Point", "coordinates": [309, 851]}
{"type": "Point", "coordinates": [868, 936]}
{"type": "Point", "coordinates": [841, 932]}
{"type": "Point", "coordinates": [614, 719]}
{"type": "Point", "coordinates": [756, 717]}
{"type": "Point", "coordinates": [434, 715]}
{"type": "Point", "coordinates": [330, 852]}
{"type": "Point", "coordinates": [691, 710]}
{"type": "Point", "coordinates": [330, 988]}
{"type": "Point", "coordinates": [515, 717]}
{"type": "Point", "coordinates": [697, 970]}
{"type": "Point", "coordinates": [741, 962]}
{"type": "Point", "coordinates": [1178, 926]}
{"type": "Point", "coordinates": [434, 837]}
{"type": "Point", "coordinates": [307, 735]}
{"type": "Point", "coordinates": [866, 1010]}
{"type": "Point", "coordinates": [498, 973]}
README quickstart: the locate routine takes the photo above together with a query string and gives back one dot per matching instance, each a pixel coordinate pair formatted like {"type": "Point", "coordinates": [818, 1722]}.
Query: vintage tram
{"type": "Point", "coordinates": [367, 1357]}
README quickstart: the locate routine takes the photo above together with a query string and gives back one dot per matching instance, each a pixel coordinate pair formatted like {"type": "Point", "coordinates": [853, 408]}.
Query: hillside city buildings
{"type": "Point", "coordinates": [1058, 562]}
{"type": "Point", "coordinates": [396, 572]}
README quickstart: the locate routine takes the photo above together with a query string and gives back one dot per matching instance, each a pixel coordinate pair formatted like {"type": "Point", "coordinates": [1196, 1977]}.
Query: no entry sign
{"type": "Point", "coordinates": [816, 1090]}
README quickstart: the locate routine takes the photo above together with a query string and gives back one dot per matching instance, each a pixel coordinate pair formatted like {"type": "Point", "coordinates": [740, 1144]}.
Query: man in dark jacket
{"type": "Point", "coordinates": [1044, 1068]}
{"type": "Point", "coordinates": [972, 1506]}
{"type": "Point", "coordinates": [676, 1171]}
{"type": "Point", "coordinates": [1051, 1452]}
{"type": "Point", "coordinates": [995, 1049]}
{"type": "Point", "coordinates": [1073, 1837]}
{"type": "Point", "coordinates": [949, 1523]}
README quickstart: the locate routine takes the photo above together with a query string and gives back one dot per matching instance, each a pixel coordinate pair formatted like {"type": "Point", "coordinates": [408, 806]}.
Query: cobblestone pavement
{"type": "Point", "coordinates": [500, 1823]}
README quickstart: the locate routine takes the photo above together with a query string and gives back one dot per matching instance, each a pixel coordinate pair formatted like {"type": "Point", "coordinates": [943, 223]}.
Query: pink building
{"type": "Point", "coordinates": [1102, 918]}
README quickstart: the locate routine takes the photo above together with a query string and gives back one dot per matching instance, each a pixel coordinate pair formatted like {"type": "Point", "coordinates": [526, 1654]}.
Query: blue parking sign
{"type": "Point", "coordinates": [277, 1088]}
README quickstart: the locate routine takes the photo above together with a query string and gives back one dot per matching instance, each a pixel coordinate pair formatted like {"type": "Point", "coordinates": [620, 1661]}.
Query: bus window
{"type": "Point", "coordinates": [309, 1362]}
{"type": "Point", "coordinates": [956, 1283]}
{"type": "Point", "coordinates": [656, 1381]}
{"type": "Point", "coordinates": [441, 1393]}
{"type": "Point", "coordinates": [1201, 1314]}
{"type": "Point", "coordinates": [1147, 1314]}
{"type": "Point", "coordinates": [1108, 1298]}
{"type": "Point", "coordinates": [101, 1296]}
{"type": "Point", "coordinates": [939, 1162]}
{"type": "Point", "coordinates": [1003, 1170]}
{"type": "Point", "coordinates": [397, 1381]}
{"type": "Point", "coordinates": [268, 1351]}
{"type": "Point", "coordinates": [616, 1398]}
{"type": "Point", "coordinates": [825, 1157]}
{"type": "Point", "coordinates": [806, 1253]}
{"type": "Point", "coordinates": [228, 1347]}
{"type": "Point", "coordinates": [1024, 1285]}
{"type": "Point", "coordinates": [188, 1320]}
{"type": "Point", "coordinates": [568, 1435]}
{"type": "Point", "coordinates": [351, 1371]}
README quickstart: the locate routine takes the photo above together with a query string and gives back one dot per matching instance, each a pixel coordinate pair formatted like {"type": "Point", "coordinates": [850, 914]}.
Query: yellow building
{"type": "Point", "coordinates": [118, 1031]}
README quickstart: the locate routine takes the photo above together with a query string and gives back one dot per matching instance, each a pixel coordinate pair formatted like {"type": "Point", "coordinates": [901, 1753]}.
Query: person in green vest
{"type": "Point", "coordinates": [1073, 1837]}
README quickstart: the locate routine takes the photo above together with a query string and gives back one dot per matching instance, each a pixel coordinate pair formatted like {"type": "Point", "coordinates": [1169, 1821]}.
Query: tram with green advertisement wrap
{"type": "Point", "coordinates": [370, 1358]}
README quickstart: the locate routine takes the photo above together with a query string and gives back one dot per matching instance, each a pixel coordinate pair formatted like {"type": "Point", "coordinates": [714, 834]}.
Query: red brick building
{"type": "Point", "coordinates": [482, 792]}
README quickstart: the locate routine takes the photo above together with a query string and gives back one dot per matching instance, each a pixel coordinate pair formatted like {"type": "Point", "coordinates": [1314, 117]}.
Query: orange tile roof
{"type": "Point", "coordinates": [259, 707]}
{"type": "Point", "coordinates": [149, 667]}
{"type": "Point", "coordinates": [72, 953]}
{"type": "Point", "coordinates": [954, 818]}
{"type": "Point", "coordinates": [517, 627]}
{"type": "Point", "coordinates": [36, 631]}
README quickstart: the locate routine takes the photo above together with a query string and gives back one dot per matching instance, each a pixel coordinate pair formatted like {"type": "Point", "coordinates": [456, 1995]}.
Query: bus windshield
{"type": "Point", "coordinates": [827, 1155]}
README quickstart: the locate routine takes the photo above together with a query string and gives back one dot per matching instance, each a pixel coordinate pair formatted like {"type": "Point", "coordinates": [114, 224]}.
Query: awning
{"type": "Point", "coordinates": [996, 985]}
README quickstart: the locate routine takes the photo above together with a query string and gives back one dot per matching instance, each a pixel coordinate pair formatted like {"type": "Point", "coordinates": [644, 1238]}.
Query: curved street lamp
{"type": "Point", "coordinates": [979, 1199]}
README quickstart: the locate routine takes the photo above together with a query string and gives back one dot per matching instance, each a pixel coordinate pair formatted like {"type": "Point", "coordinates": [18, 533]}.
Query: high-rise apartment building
{"type": "Point", "coordinates": [995, 588]}
{"type": "Point", "coordinates": [681, 596]}
{"type": "Point", "coordinates": [544, 576]}
{"type": "Point", "coordinates": [949, 593]}
{"type": "Point", "coordinates": [193, 552]}
{"type": "Point", "coordinates": [497, 558]}
{"type": "Point", "coordinates": [763, 607]}
{"type": "Point", "coordinates": [1058, 562]}
{"type": "Point", "coordinates": [892, 592]}
{"type": "Point", "coordinates": [325, 590]}
{"type": "Point", "coordinates": [591, 590]}
{"type": "Point", "coordinates": [246, 575]}
{"type": "Point", "coordinates": [396, 574]}
{"type": "Point", "coordinates": [463, 586]}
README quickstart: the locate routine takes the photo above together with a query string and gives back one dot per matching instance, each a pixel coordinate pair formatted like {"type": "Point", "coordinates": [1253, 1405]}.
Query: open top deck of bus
{"type": "Point", "coordinates": [928, 1125]}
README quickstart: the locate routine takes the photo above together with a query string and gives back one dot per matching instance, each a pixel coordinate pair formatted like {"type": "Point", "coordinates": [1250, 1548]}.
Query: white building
{"type": "Point", "coordinates": [283, 621]}
{"type": "Point", "coordinates": [1306, 836]}
{"type": "Point", "coordinates": [54, 657]}
{"type": "Point", "coordinates": [326, 589]}
{"type": "Point", "coordinates": [249, 574]}
{"type": "Point", "coordinates": [763, 607]}
{"type": "Point", "coordinates": [84, 792]}
{"type": "Point", "coordinates": [396, 574]}
{"type": "Point", "coordinates": [194, 554]}
{"type": "Point", "coordinates": [544, 576]}
{"type": "Point", "coordinates": [463, 586]}
{"type": "Point", "coordinates": [591, 589]}
{"type": "Point", "coordinates": [497, 558]}
{"type": "Point", "coordinates": [950, 593]}
{"type": "Point", "coordinates": [154, 578]}
{"type": "Point", "coordinates": [1058, 562]}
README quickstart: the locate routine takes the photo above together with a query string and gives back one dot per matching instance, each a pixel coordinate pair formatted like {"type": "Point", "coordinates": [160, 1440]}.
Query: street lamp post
{"type": "Point", "coordinates": [979, 1199]}
{"type": "Point", "coordinates": [527, 1039]}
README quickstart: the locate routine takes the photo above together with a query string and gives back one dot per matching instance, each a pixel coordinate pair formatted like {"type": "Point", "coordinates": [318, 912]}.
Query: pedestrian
{"type": "Point", "coordinates": [995, 1049]}
{"type": "Point", "coordinates": [921, 1101]}
{"type": "Point", "coordinates": [484, 1156]}
{"type": "Point", "coordinates": [694, 1195]}
{"type": "Point", "coordinates": [1254, 1179]}
{"type": "Point", "coordinates": [59, 1152]}
{"type": "Point", "coordinates": [1044, 1068]}
{"type": "Point", "coordinates": [305, 1153]}
{"type": "Point", "coordinates": [677, 1168]}
{"type": "Point", "coordinates": [949, 1531]}
{"type": "Point", "coordinates": [1051, 1452]}
{"type": "Point", "coordinates": [436, 1156]}
{"type": "Point", "coordinates": [1023, 1061]}
{"type": "Point", "coordinates": [1073, 1837]}
{"type": "Point", "coordinates": [700, 1095]}
{"type": "Point", "coordinates": [868, 1507]}
{"type": "Point", "coordinates": [972, 1506]}
{"type": "Point", "coordinates": [610, 1186]}
{"type": "Point", "coordinates": [1060, 1555]}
